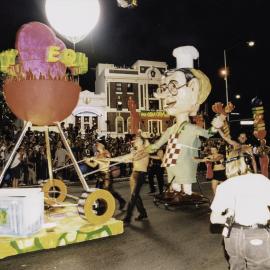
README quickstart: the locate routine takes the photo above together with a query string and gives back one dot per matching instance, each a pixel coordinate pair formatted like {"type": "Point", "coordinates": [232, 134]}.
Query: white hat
{"type": "Point", "coordinates": [185, 55]}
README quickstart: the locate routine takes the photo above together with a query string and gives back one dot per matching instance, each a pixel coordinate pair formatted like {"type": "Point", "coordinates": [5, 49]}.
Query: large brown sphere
{"type": "Point", "coordinates": [42, 102]}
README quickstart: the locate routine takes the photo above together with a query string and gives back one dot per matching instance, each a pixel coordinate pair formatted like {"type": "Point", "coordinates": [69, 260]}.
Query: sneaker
{"type": "Point", "coordinates": [141, 217]}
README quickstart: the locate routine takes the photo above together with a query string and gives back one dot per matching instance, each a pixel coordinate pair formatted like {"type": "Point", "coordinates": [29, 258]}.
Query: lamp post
{"type": "Point", "coordinates": [225, 72]}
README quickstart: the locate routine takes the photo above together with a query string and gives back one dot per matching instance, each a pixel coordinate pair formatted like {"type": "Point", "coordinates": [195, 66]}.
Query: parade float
{"type": "Point", "coordinates": [182, 91]}
{"type": "Point", "coordinates": [41, 88]}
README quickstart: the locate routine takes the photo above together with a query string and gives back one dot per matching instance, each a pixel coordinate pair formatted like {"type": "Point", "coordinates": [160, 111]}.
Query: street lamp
{"type": "Point", "coordinates": [251, 43]}
{"type": "Point", "coordinates": [225, 71]}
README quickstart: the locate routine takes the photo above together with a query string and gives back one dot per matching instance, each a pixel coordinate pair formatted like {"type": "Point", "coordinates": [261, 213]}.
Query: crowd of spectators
{"type": "Point", "coordinates": [33, 158]}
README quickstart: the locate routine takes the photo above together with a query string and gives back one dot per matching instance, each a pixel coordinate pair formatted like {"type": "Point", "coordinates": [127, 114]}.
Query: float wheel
{"type": "Point", "coordinates": [96, 206]}
{"type": "Point", "coordinates": [55, 191]}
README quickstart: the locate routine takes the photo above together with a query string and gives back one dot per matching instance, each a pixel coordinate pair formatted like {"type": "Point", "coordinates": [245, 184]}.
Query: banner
{"type": "Point", "coordinates": [154, 114]}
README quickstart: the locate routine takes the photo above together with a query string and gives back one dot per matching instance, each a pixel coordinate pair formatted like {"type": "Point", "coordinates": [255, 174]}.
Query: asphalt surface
{"type": "Point", "coordinates": [176, 239]}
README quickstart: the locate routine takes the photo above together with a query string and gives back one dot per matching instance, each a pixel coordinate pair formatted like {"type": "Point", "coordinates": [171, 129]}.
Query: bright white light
{"type": "Point", "coordinates": [246, 123]}
{"type": "Point", "coordinates": [73, 19]}
{"type": "Point", "coordinates": [251, 43]}
{"type": "Point", "coordinates": [237, 96]}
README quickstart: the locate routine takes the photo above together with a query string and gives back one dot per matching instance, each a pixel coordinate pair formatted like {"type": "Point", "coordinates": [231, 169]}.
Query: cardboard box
{"type": "Point", "coordinates": [21, 211]}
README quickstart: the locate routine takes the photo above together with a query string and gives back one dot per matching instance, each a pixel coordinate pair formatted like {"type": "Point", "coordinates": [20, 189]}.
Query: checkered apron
{"type": "Point", "coordinates": [172, 151]}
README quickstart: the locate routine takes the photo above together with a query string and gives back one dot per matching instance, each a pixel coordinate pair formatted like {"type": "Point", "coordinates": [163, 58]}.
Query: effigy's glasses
{"type": "Point", "coordinates": [173, 87]}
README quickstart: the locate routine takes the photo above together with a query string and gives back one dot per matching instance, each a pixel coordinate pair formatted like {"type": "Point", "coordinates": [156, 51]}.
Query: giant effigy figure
{"type": "Point", "coordinates": [183, 90]}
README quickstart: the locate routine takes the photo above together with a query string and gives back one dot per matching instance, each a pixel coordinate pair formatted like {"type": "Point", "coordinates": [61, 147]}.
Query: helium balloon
{"type": "Point", "coordinates": [73, 19]}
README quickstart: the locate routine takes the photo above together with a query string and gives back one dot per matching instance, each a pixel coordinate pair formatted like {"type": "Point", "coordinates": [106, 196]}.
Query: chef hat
{"type": "Point", "coordinates": [185, 57]}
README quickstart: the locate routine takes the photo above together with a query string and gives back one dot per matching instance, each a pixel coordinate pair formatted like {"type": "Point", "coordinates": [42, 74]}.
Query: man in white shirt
{"type": "Point", "coordinates": [244, 200]}
{"type": "Point", "coordinates": [61, 157]}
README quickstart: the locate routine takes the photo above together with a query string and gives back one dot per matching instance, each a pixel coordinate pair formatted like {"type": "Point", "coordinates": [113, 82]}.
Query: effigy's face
{"type": "Point", "coordinates": [178, 96]}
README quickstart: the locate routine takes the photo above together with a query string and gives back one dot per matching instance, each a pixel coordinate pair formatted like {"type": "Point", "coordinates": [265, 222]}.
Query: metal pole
{"type": "Point", "coordinates": [98, 170]}
{"type": "Point", "coordinates": [226, 80]}
{"type": "Point", "coordinates": [226, 77]}
{"type": "Point", "coordinates": [48, 152]}
{"type": "Point", "coordinates": [77, 168]}
{"type": "Point", "coordinates": [67, 166]}
{"type": "Point", "coordinates": [10, 159]}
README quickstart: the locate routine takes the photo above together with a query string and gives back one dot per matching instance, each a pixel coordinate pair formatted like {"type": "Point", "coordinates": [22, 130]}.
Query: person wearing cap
{"type": "Point", "coordinates": [140, 161]}
{"type": "Point", "coordinates": [241, 204]}
{"type": "Point", "coordinates": [102, 159]}
{"type": "Point", "coordinates": [182, 91]}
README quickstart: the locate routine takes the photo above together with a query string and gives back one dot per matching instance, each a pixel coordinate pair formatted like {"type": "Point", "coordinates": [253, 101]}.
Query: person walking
{"type": "Point", "coordinates": [140, 160]}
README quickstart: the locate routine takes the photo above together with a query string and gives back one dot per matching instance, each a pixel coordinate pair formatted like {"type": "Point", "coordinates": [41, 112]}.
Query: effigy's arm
{"type": "Point", "coordinates": [154, 147]}
{"type": "Point", "coordinates": [217, 123]}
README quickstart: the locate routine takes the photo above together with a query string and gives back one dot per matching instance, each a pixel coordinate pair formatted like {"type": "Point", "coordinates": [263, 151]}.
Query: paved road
{"type": "Point", "coordinates": [171, 240]}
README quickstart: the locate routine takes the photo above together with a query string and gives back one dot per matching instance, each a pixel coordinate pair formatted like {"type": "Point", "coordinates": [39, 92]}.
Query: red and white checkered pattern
{"type": "Point", "coordinates": [173, 150]}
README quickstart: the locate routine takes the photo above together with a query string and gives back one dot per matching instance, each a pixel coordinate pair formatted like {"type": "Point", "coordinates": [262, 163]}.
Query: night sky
{"type": "Point", "coordinates": [153, 29]}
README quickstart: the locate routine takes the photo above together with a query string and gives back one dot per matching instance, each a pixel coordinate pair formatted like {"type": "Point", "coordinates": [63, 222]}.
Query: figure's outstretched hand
{"type": "Point", "coordinates": [218, 121]}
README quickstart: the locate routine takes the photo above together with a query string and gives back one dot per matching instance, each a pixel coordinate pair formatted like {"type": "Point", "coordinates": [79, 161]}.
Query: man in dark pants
{"type": "Point", "coordinates": [155, 169]}
{"type": "Point", "coordinates": [140, 160]}
{"type": "Point", "coordinates": [241, 204]}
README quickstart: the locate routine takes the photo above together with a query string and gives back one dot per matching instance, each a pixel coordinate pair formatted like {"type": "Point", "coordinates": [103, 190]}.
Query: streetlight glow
{"type": "Point", "coordinates": [237, 96]}
{"type": "Point", "coordinates": [224, 72]}
{"type": "Point", "coordinates": [251, 43]}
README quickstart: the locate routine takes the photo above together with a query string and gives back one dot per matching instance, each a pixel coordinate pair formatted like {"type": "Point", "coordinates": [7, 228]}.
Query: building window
{"type": "Point", "coordinates": [108, 94]}
{"type": "Point", "coordinates": [152, 88]}
{"type": "Point", "coordinates": [118, 87]}
{"type": "Point", "coordinates": [153, 105]}
{"type": "Point", "coordinates": [119, 123]}
{"type": "Point", "coordinates": [154, 126]}
{"type": "Point", "coordinates": [119, 104]}
{"type": "Point", "coordinates": [78, 121]}
{"type": "Point", "coordinates": [94, 122]}
{"type": "Point", "coordinates": [86, 119]}
{"type": "Point", "coordinates": [129, 88]}
{"type": "Point", "coordinates": [142, 96]}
